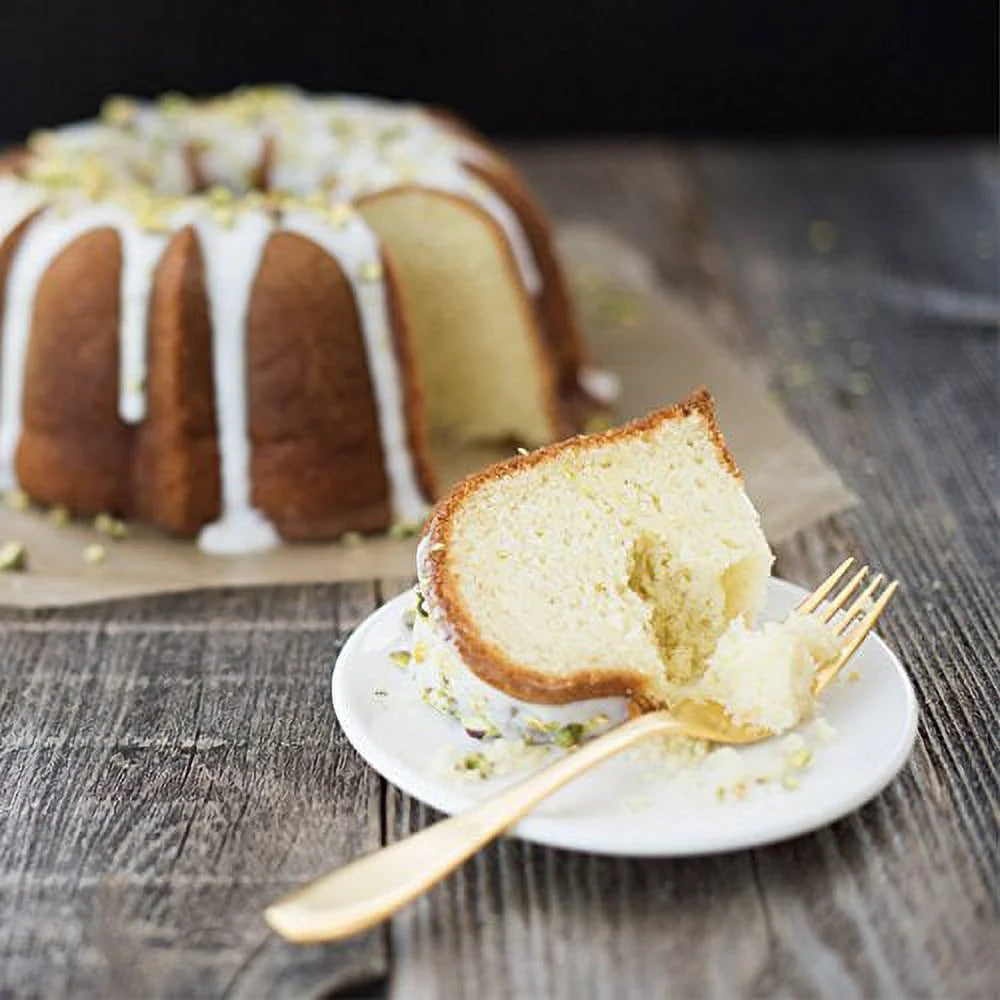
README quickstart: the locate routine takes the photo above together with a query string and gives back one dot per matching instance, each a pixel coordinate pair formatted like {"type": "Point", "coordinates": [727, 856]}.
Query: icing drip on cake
{"type": "Point", "coordinates": [232, 259]}
{"type": "Point", "coordinates": [141, 252]}
{"type": "Point", "coordinates": [17, 201]}
{"type": "Point", "coordinates": [137, 172]}
{"type": "Point", "coordinates": [43, 241]}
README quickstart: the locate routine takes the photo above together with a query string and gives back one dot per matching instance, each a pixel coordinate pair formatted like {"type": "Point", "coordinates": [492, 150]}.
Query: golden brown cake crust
{"type": "Point", "coordinates": [486, 660]}
{"type": "Point", "coordinates": [316, 458]}
{"type": "Point", "coordinates": [176, 481]}
{"type": "Point", "coordinates": [74, 448]}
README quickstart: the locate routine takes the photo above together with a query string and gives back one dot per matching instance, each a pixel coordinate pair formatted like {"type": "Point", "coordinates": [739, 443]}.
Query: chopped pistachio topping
{"type": "Point", "coordinates": [224, 215]}
{"type": "Point", "coordinates": [569, 735]}
{"type": "Point", "coordinates": [13, 557]}
{"type": "Point", "coordinates": [219, 195]}
{"type": "Point", "coordinates": [173, 104]}
{"type": "Point", "coordinates": [152, 218]}
{"type": "Point", "coordinates": [421, 606]}
{"type": "Point", "coordinates": [419, 652]}
{"type": "Point", "coordinates": [860, 383]}
{"type": "Point", "coordinates": [390, 134]}
{"type": "Point", "coordinates": [409, 617]}
{"type": "Point", "coordinates": [342, 127]}
{"type": "Point", "coordinates": [539, 726]}
{"type": "Point", "coordinates": [17, 500]}
{"type": "Point", "coordinates": [110, 526]}
{"type": "Point", "coordinates": [339, 214]}
{"type": "Point", "coordinates": [596, 423]}
{"type": "Point", "coordinates": [95, 554]}
{"type": "Point", "coordinates": [476, 762]}
{"type": "Point", "coordinates": [371, 270]}
{"type": "Point", "coordinates": [119, 111]}
{"type": "Point", "coordinates": [479, 728]}
{"type": "Point", "coordinates": [400, 657]}
{"type": "Point", "coordinates": [59, 515]}
{"type": "Point", "coordinates": [617, 307]}
{"type": "Point", "coordinates": [404, 529]}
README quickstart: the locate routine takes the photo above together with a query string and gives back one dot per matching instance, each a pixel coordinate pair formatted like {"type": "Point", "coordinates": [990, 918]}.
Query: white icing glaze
{"type": "Point", "coordinates": [447, 683]}
{"type": "Point", "coordinates": [100, 174]}
{"type": "Point", "coordinates": [232, 259]}
{"type": "Point", "coordinates": [141, 252]}
{"type": "Point", "coordinates": [43, 241]}
{"type": "Point", "coordinates": [348, 146]}
{"type": "Point", "coordinates": [17, 201]}
{"type": "Point", "coordinates": [354, 246]}
{"type": "Point", "coordinates": [239, 532]}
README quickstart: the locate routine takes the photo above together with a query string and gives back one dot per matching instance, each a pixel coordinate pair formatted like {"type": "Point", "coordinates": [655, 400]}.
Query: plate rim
{"type": "Point", "coordinates": [553, 831]}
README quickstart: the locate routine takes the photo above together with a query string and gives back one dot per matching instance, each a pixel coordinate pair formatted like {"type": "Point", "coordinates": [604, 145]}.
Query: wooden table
{"type": "Point", "coordinates": [169, 765]}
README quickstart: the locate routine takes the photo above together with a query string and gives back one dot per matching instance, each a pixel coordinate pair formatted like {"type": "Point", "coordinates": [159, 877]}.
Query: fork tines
{"type": "Point", "coordinates": [865, 606]}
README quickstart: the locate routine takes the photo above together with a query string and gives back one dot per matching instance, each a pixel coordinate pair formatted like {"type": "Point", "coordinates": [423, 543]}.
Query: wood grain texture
{"type": "Point", "coordinates": [168, 765]}
{"type": "Point", "coordinates": [165, 779]}
{"type": "Point", "coordinates": [884, 349]}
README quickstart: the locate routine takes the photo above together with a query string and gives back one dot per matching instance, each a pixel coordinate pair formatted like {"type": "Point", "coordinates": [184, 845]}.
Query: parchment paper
{"type": "Point", "coordinates": [660, 347]}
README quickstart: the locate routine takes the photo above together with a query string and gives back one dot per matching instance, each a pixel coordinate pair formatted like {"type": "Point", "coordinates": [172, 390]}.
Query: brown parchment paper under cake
{"type": "Point", "coordinates": [659, 346]}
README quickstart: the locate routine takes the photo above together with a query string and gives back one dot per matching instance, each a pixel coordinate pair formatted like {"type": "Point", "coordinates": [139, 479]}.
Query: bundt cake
{"type": "Point", "coordinates": [249, 317]}
{"type": "Point", "coordinates": [561, 585]}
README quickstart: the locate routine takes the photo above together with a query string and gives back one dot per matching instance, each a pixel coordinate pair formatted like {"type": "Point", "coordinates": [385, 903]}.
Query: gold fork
{"type": "Point", "coordinates": [367, 891]}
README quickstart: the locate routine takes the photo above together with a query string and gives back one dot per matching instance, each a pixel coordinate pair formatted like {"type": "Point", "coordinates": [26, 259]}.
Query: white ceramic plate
{"type": "Point", "coordinates": [630, 805]}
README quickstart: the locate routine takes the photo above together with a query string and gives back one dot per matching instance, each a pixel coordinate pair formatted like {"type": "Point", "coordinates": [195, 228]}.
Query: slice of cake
{"type": "Point", "coordinates": [561, 585]}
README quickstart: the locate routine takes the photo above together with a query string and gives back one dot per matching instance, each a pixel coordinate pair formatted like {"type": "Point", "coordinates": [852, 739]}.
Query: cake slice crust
{"type": "Point", "coordinates": [603, 565]}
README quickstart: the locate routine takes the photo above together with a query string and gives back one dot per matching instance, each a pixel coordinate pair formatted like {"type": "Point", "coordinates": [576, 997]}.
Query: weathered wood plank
{"type": "Point", "coordinates": [848, 912]}
{"type": "Point", "coordinates": [160, 787]}
{"type": "Point", "coordinates": [313, 606]}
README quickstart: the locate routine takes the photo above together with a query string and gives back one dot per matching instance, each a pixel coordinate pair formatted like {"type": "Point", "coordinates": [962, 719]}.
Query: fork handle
{"type": "Point", "coordinates": [367, 891]}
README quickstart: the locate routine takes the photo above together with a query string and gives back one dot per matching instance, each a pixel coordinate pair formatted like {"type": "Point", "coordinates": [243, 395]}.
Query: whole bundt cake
{"type": "Point", "coordinates": [249, 317]}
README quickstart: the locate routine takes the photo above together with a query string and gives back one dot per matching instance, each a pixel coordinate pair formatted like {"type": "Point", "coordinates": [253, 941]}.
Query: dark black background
{"type": "Point", "coordinates": [681, 67]}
